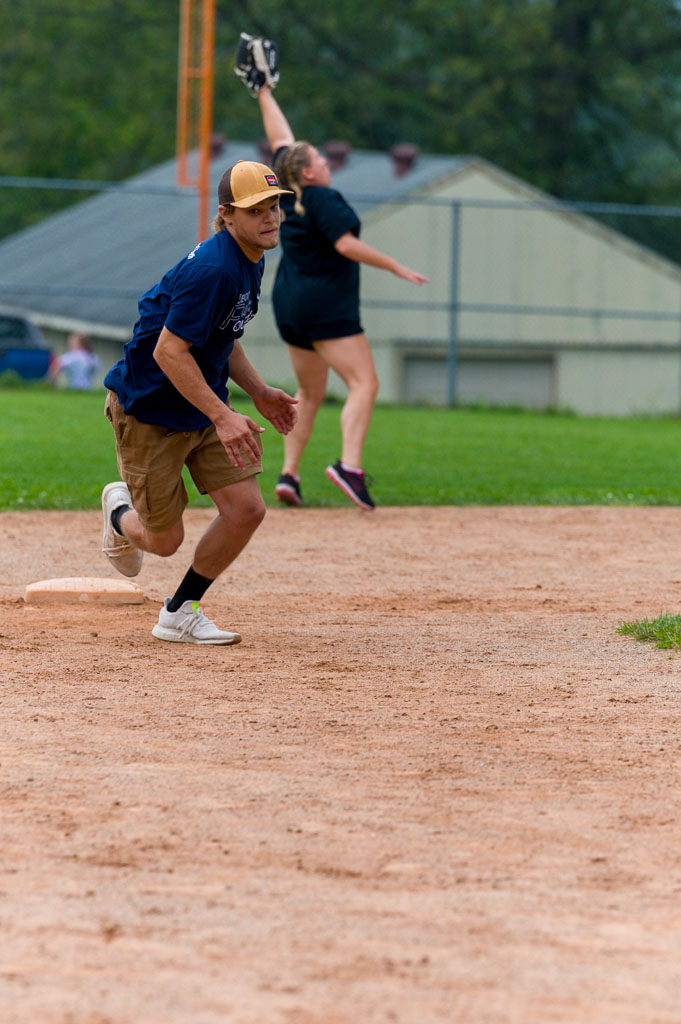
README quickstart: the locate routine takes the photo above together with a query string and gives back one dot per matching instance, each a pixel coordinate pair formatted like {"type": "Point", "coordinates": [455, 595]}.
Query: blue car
{"type": "Point", "coordinates": [23, 348]}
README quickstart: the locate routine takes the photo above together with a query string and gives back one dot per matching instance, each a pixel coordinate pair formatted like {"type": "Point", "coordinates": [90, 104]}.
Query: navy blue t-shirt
{"type": "Point", "coordinates": [314, 283]}
{"type": "Point", "coordinates": [206, 299]}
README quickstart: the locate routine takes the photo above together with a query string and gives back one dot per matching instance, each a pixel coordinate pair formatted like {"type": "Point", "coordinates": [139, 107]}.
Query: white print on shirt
{"type": "Point", "coordinates": [194, 251]}
{"type": "Point", "coordinates": [239, 315]}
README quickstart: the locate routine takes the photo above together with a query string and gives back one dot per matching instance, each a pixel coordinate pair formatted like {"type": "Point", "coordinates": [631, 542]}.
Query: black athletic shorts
{"type": "Point", "coordinates": [303, 337]}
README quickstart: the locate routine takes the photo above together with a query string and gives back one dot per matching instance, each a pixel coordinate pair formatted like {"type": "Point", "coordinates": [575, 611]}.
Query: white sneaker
{"type": "Point", "coordinates": [122, 554]}
{"type": "Point", "coordinates": [188, 625]}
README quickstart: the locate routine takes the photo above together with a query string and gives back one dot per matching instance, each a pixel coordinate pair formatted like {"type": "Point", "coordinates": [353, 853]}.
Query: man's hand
{"type": "Point", "coordinates": [236, 433]}
{"type": "Point", "coordinates": [277, 407]}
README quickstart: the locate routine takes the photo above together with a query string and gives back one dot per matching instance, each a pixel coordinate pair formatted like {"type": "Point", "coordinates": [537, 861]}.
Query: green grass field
{"type": "Point", "coordinates": [57, 451]}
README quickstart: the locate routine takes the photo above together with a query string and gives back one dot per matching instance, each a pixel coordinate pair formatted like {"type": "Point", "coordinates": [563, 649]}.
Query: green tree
{"type": "Point", "coordinates": [88, 91]}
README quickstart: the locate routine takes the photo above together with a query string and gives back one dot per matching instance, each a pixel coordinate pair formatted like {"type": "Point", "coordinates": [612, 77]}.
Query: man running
{"type": "Point", "coordinates": [168, 404]}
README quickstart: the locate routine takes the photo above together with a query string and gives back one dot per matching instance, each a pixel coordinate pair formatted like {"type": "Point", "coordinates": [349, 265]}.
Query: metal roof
{"type": "Point", "coordinates": [89, 264]}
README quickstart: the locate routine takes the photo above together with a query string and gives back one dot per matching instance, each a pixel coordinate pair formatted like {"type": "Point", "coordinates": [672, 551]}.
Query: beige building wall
{"type": "Point", "coordinates": [593, 364]}
{"type": "Point", "coordinates": [619, 383]}
{"type": "Point", "coordinates": [520, 257]}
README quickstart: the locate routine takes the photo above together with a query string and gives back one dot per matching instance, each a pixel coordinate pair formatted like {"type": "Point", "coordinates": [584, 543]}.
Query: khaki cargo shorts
{"type": "Point", "coordinates": [150, 461]}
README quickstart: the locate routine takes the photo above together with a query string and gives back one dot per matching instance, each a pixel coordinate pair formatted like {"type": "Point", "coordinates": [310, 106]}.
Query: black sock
{"type": "Point", "coordinates": [192, 588]}
{"type": "Point", "coordinates": [116, 518]}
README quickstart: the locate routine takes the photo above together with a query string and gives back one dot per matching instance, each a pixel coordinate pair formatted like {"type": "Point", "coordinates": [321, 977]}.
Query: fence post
{"type": "Point", "coordinates": [454, 305]}
{"type": "Point", "coordinates": [678, 376]}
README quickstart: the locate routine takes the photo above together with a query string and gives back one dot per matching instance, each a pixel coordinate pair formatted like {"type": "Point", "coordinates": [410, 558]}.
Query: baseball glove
{"type": "Point", "coordinates": [256, 63]}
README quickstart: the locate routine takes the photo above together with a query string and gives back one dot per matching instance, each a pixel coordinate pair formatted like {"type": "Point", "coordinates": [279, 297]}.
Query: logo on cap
{"type": "Point", "coordinates": [271, 180]}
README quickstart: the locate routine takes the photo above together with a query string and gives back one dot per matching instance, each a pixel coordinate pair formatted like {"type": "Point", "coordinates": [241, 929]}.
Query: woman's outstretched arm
{"type": "Point", "coordinates": [355, 249]}
{"type": "Point", "coordinates": [277, 128]}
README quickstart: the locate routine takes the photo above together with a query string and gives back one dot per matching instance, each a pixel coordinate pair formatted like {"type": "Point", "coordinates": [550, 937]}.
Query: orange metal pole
{"type": "Point", "coordinates": [182, 142]}
{"type": "Point", "coordinates": [206, 116]}
{"type": "Point", "coordinates": [195, 90]}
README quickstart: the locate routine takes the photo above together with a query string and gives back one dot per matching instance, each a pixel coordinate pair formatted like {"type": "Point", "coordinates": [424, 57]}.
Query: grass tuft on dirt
{"type": "Point", "coordinates": [664, 631]}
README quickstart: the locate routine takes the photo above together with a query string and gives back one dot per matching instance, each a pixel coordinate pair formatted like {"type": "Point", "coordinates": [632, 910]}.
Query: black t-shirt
{"type": "Point", "coordinates": [314, 283]}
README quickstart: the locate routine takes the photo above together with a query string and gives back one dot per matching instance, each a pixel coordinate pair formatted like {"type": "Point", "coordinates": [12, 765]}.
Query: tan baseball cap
{"type": "Point", "coordinates": [248, 183]}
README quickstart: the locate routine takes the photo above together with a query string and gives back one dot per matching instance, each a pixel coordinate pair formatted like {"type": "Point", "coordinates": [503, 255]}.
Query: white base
{"type": "Point", "coordinates": [77, 589]}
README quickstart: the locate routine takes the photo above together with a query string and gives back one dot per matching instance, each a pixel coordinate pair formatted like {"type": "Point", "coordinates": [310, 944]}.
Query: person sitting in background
{"type": "Point", "coordinates": [79, 363]}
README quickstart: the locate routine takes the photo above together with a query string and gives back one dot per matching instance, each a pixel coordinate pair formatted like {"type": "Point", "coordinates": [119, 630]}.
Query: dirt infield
{"type": "Point", "coordinates": [431, 785]}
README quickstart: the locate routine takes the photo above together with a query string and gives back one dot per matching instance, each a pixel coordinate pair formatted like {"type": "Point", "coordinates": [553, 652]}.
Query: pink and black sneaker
{"type": "Point", "coordinates": [288, 489]}
{"type": "Point", "coordinates": [352, 483]}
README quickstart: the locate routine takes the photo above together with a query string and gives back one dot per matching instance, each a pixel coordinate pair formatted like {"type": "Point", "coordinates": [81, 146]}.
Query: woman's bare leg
{"type": "Point", "coordinates": [311, 372]}
{"type": "Point", "coordinates": [351, 359]}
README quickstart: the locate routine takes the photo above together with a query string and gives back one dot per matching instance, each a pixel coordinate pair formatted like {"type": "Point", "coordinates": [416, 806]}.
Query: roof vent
{"type": "Point", "coordinates": [337, 152]}
{"type": "Point", "coordinates": [404, 156]}
{"type": "Point", "coordinates": [265, 150]}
